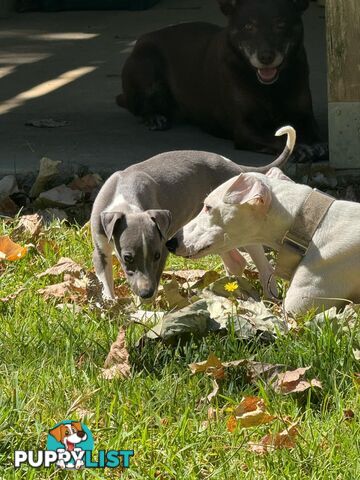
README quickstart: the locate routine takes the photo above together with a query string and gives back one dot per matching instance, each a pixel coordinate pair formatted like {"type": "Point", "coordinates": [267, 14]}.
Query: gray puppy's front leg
{"type": "Point", "coordinates": [102, 258]}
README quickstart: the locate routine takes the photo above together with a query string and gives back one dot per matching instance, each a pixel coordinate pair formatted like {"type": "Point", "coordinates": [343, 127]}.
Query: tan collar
{"type": "Point", "coordinates": [297, 239]}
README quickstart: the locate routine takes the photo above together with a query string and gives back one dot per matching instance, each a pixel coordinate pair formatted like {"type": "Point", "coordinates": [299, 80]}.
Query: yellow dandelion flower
{"type": "Point", "coordinates": [231, 286]}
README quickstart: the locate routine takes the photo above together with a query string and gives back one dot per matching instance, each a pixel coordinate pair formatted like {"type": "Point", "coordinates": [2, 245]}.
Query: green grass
{"type": "Point", "coordinates": [50, 364]}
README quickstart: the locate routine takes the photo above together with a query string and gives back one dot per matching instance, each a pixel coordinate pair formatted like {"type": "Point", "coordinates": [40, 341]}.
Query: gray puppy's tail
{"type": "Point", "coordinates": [283, 157]}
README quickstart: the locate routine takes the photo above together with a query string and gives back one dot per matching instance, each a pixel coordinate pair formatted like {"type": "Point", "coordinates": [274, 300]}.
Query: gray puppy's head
{"type": "Point", "coordinates": [139, 243]}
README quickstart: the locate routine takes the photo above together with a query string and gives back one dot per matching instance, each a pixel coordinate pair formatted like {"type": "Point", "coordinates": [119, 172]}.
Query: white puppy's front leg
{"type": "Point", "coordinates": [266, 271]}
{"type": "Point", "coordinates": [234, 262]}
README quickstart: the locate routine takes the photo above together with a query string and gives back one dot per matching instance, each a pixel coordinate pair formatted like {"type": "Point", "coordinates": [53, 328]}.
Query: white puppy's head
{"type": "Point", "coordinates": [232, 217]}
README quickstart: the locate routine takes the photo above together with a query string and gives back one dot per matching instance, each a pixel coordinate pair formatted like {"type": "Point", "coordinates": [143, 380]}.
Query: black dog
{"type": "Point", "coordinates": [241, 82]}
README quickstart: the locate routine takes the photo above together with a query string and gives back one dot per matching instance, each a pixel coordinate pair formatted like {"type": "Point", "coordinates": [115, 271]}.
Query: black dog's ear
{"type": "Point", "coordinates": [162, 218]}
{"type": "Point", "coordinates": [109, 220]}
{"type": "Point", "coordinates": [301, 5]}
{"type": "Point", "coordinates": [227, 6]}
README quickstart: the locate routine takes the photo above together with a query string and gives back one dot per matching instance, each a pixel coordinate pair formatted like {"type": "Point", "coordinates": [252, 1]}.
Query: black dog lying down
{"type": "Point", "coordinates": [241, 82]}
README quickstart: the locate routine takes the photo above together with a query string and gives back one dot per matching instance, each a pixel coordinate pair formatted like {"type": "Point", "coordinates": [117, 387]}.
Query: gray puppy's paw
{"type": "Point", "coordinates": [318, 152]}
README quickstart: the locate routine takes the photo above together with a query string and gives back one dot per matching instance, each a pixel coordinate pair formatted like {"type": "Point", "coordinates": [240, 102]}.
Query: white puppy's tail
{"type": "Point", "coordinates": [291, 137]}
{"type": "Point", "coordinates": [283, 157]}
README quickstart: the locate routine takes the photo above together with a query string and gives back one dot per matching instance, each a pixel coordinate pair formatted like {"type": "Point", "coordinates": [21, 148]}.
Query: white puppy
{"type": "Point", "coordinates": [259, 209]}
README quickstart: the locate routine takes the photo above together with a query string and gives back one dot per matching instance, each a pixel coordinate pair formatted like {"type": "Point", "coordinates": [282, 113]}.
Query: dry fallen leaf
{"type": "Point", "coordinates": [48, 170]}
{"type": "Point", "coordinates": [349, 414]}
{"type": "Point", "coordinates": [251, 412]}
{"type": "Point", "coordinates": [254, 370]}
{"type": "Point", "coordinates": [60, 196]}
{"type": "Point", "coordinates": [183, 276]}
{"type": "Point", "coordinates": [8, 207]}
{"type": "Point", "coordinates": [72, 288]}
{"type": "Point", "coordinates": [212, 367]}
{"type": "Point", "coordinates": [86, 183]}
{"type": "Point", "coordinates": [47, 123]}
{"type": "Point", "coordinates": [293, 382]}
{"type": "Point", "coordinates": [271, 442]}
{"type": "Point", "coordinates": [267, 372]}
{"type": "Point", "coordinates": [117, 361]}
{"type": "Point", "coordinates": [10, 250]}
{"type": "Point", "coordinates": [64, 265]}
{"type": "Point", "coordinates": [173, 295]}
{"type": "Point", "coordinates": [44, 245]}
{"type": "Point", "coordinates": [214, 391]}
{"type": "Point", "coordinates": [29, 224]}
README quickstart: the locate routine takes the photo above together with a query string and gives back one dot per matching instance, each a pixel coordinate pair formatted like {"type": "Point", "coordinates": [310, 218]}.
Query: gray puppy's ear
{"type": "Point", "coordinates": [108, 221]}
{"type": "Point", "coordinates": [162, 218]}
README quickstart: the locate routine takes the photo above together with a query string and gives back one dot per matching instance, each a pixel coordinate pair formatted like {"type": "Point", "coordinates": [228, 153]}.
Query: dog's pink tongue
{"type": "Point", "coordinates": [70, 446]}
{"type": "Point", "coordinates": [267, 74]}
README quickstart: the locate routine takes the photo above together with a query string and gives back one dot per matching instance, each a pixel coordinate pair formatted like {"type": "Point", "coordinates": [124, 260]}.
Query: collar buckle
{"type": "Point", "coordinates": [294, 243]}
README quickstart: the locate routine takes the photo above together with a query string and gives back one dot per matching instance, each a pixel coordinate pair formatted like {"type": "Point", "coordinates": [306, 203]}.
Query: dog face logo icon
{"type": "Point", "coordinates": [70, 446]}
{"type": "Point", "coordinates": [69, 434]}
{"type": "Point", "coordinates": [70, 439]}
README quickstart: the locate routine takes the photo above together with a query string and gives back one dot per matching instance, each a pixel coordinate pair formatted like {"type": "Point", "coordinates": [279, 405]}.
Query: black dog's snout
{"type": "Point", "coordinates": [266, 57]}
{"type": "Point", "coordinates": [80, 433]}
{"type": "Point", "coordinates": [172, 244]}
{"type": "Point", "coordinates": [146, 292]}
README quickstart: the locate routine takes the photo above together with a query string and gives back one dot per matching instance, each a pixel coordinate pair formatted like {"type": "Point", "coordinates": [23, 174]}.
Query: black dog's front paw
{"type": "Point", "coordinates": [318, 152]}
{"type": "Point", "coordinates": [157, 122]}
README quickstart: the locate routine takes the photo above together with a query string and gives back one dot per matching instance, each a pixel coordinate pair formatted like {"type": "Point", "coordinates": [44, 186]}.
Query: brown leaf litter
{"type": "Point", "coordinates": [117, 362]}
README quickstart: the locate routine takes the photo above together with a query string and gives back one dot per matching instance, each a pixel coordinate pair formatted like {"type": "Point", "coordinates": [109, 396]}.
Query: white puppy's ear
{"type": "Point", "coordinates": [248, 189]}
{"type": "Point", "coordinates": [109, 220]}
{"type": "Point", "coordinates": [275, 172]}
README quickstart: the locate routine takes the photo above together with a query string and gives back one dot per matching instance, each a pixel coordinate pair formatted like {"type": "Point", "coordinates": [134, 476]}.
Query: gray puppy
{"type": "Point", "coordinates": [139, 209]}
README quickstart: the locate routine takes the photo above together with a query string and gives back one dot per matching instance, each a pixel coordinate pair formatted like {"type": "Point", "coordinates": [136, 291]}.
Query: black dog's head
{"type": "Point", "coordinates": [265, 33]}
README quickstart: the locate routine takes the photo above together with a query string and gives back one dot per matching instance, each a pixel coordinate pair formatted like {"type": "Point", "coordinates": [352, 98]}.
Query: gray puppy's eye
{"type": "Point", "coordinates": [207, 208]}
{"type": "Point", "coordinates": [157, 256]}
{"type": "Point", "coordinates": [128, 258]}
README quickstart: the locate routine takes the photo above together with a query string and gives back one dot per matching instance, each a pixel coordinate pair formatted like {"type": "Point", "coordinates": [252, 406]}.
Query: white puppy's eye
{"type": "Point", "coordinates": [207, 208]}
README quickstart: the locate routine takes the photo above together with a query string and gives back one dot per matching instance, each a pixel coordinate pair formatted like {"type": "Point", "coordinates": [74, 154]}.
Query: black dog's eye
{"type": "Point", "coordinates": [250, 27]}
{"type": "Point", "coordinates": [128, 258]}
{"type": "Point", "coordinates": [157, 256]}
{"type": "Point", "coordinates": [207, 208]}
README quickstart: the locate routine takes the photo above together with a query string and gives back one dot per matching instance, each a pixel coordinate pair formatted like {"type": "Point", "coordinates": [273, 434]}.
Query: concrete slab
{"type": "Point", "coordinates": [67, 66]}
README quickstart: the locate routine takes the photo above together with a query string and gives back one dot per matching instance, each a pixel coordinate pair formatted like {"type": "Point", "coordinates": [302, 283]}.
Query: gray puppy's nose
{"type": "Point", "coordinates": [146, 292]}
{"type": "Point", "coordinates": [172, 244]}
